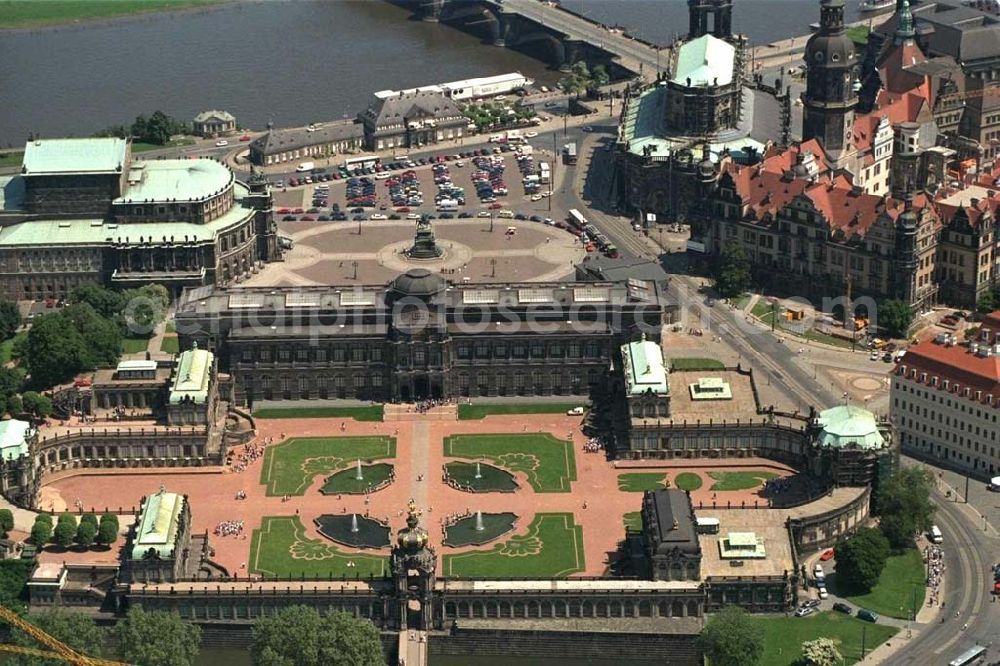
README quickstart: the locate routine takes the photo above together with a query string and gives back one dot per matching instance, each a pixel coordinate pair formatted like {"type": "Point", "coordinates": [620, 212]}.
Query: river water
{"type": "Point", "coordinates": [286, 61]}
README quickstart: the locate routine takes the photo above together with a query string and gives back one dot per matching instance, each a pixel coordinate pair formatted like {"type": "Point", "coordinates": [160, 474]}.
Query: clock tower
{"type": "Point", "coordinates": [831, 95]}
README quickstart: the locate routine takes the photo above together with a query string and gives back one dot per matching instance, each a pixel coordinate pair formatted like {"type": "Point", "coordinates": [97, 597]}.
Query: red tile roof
{"type": "Point", "coordinates": [958, 366]}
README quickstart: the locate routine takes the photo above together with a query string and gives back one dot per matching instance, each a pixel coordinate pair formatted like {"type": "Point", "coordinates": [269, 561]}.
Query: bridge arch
{"type": "Point", "coordinates": [539, 39]}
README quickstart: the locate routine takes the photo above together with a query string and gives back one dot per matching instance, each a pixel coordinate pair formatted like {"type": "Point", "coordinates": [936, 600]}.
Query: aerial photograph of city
{"type": "Point", "coordinates": [500, 332]}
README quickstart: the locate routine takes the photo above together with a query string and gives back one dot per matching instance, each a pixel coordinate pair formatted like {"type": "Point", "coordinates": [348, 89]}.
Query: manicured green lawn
{"type": "Point", "coordinates": [893, 595]}
{"type": "Point", "coordinates": [134, 345]}
{"type": "Point", "coordinates": [762, 309]}
{"type": "Point", "coordinates": [633, 521]}
{"type": "Point", "coordinates": [369, 413]}
{"type": "Point", "coordinates": [739, 480]}
{"type": "Point", "coordinates": [347, 481]}
{"type": "Point", "coordinates": [171, 327]}
{"type": "Point", "coordinates": [696, 364]}
{"type": "Point", "coordinates": [27, 13]}
{"type": "Point", "coordinates": [10, 159]}
{"type": "Point", "coordinates": [280, 547]}
{"type": "Point", "coordinates": [468, 412]}
{"type": "Point", "coordinates": [637, 482]}
{"type": "Point", "coordinates": [548, 462]}
{"type": "Point", "coordinates": [289, 467]}
{"type": "Point", "coordinates": [170, 345]}
{"type": "Point", "coordinates": [687, 481]}
{"type": "Point", "coordinates": [783, 636]}
{"type": "Point", "coordinates": [552, 548]}
{"type": "Point", "coordinates": [741, 301]}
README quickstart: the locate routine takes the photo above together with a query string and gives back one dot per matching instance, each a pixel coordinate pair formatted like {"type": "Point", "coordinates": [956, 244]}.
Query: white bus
{"type": "Point", "coordinates": [970, 656]}
{"type": "Point", "coordinates": [447, 205]}
{"type": "Point", "coordinates": [363, 162]}
{"type": "Point", "coordinates": [545, 172]}
{"type": "Point", "coordinates": [577, 219]}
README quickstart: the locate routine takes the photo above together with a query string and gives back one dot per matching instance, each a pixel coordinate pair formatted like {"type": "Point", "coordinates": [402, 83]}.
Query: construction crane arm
{"type": "Point", "coordinates": [59, 650]}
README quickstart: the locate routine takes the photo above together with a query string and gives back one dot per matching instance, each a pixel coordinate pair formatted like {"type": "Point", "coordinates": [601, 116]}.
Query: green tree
{"type": "Point", "coordinates": [109, 518]}
{"type": "Point", "coordinates": [905, 507]}
{"type": "Point", "coordinates": [299, 636]}
{"type": "Point", "coordinates": [55, 350]}
{"type": "Point", "coordinates": [43, 518]}
{"type": "Point", "coordinates": [576, 80]}
{"type": "Point", "coordinates": [107, 533]}
{"type": "Point", "coordinates": [37, 404]}
{"type": "Point", "coordinates": [6, 521]}
{"type": "Point", "coordinates": [157, 638]}
{"type": "Point", "coordinates": [599, 76]}
{"type": "Point", "coordinates": [895, 316]}
{"type": "Point", "coordinates": [10, 381]}
{"type": "Point", "coordinates": [732, 638]}
{"type": "Point", "coordinates": [732, 271]}
{"type": "Point", "coordinates": [89, 517]}
{"type": "Point", "coordinates": [65, 531]}
{"type": "Point", "coordinates": [10, 319]}
{"type": "Point", "coordinates": [76, 630]}
{"type": "Point", "coordinates": [106, 302]}
{"type": "Point", "coordinates": [15, 405]}
{"type": "Point", "coordinates": [86, 533]}
{"type": "Point", "coordinates": [861, 559]}
{"type": "Point", "coordinates": [102, 336]}
{"type": "Point", "coordinates": [144, 308]}
{"type": "Point", "coordinates": [820, 652]}
{"type": "Point", "coordinates": [41, 532]}
{"type": "Point", "coordinates": [13, 578]}
{"type": "Point", "coordinates": [987, 303]}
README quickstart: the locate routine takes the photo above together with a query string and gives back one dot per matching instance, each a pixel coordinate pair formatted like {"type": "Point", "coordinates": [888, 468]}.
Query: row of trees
{"type": "Point", "coordinates": [88, 333]}
{"type": "Point", "coordinates": [156, 129]}
{"type": "Point", "coordinates": [67, 531]}
{"type": "Point", "coordinates": [295, 636]}
{"type": "Point", "coordinates": [581, 79]}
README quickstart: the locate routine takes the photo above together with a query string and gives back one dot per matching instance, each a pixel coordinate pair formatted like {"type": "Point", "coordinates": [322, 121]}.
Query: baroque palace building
{"type": "Point", "coordinates": [418, 337]}
{"type": "Point", "coordinates": [85, 210]}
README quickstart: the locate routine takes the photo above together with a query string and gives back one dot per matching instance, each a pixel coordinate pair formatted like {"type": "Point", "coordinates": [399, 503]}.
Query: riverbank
{"type": "Point", "coordinates": [36, 14]}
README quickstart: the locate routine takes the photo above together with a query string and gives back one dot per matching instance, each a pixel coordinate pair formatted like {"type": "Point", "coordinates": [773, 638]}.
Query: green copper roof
{"type": "Point", "coordinates": [848, 425]}
{"type": "Point", "coordinates": [644, 371]}
{"type": "Point", "coordinates": [175, 180]}
{"type": "Point", "coordinates": [14, 436]}
{"type": "Point", "coordinates": [57, 156]}
{"type": "Point", "coordinates": [706, 61]}
{"type": "Point", "coordinates": [96, 231]}
{"type": "Point", "coordinates": [158, 523]}
{"type": "Point", "coordinates": [194, 372]}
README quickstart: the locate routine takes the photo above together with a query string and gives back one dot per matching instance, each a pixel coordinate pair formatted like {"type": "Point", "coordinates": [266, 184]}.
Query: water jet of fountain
{"type": "Point", "coordinates": [479, 472]}
{"type": "Point", "coordinates": [359, 476]}
{"type": "Point", "coordinates": [479, 521]}
{"type": "Point", "coordinates": [354, 523]}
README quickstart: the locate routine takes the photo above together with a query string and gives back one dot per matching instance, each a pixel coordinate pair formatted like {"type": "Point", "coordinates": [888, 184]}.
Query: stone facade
{"type": "Point", "coordinates": [179, 223]}
{"type": "Point", "coordinates": [419, 338]}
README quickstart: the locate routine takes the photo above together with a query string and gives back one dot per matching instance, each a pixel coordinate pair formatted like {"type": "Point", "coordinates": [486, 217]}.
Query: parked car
{"type": "Point", "coordinates": [805, 610]}
{"type": "Point", "coordinates": [867, 615]}
{"type": "Point", "coordinates": [827, 555]}
{"type": "Point", "coordinates": [841, 607]}
{"type": "Point", "coordinates": [220, 143]}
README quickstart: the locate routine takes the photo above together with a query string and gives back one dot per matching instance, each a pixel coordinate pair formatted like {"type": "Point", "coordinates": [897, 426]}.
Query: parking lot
{"type": "Point", "coordinates": [453, 186]}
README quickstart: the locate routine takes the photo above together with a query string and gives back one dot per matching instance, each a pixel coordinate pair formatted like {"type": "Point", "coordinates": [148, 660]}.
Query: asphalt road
{"type": "Point", "coordinates": [969, 551]}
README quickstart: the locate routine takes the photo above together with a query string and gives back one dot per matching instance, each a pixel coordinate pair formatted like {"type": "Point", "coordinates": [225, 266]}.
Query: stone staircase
{"type": "Point", "coordinates": [408, 412]}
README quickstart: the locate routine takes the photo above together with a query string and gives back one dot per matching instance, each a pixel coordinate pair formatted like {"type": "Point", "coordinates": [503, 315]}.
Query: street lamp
{"type": "Point", "coordinates": [354, 264]}
{"type": "Point", "coordinates": [493, 267]}
{"type": "Point", "coordinates": [491, 221]}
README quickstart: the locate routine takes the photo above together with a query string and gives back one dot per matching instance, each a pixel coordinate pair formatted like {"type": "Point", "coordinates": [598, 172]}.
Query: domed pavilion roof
{"type": "Point", "coordinates": [849, 425]}
{"type": "Point", "coordinates": [417, 283]}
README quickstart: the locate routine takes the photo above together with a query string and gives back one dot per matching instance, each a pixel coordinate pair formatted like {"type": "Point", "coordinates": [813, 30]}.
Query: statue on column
{"type": "Point", "coordinates": [424, 244]}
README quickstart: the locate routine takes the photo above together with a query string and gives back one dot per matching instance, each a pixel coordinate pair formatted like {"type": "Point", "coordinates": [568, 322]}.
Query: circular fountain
{"type": "Point", "coordinates": [353, 530]}
{"type": "Point", "coordinates": [478, 529]}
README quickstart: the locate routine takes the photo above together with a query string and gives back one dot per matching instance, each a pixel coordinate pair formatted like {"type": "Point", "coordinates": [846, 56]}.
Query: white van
{"type": "Point", "coordinates": [994, 484]}
{"type": "Point", "coordinates": [935, 534]}
{"type": "Point", "coordinates": [305, 166]}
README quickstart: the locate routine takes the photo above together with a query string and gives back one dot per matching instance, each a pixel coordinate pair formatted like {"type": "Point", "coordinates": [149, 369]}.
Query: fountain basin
{"type": "Point", "coordinates": [462, 475]}
{"type": "Point", "coordinates": [338, 527]}
{"type": "Point", "coordinates": [464, 532]}
{"type": "Point", "coordinates": [374, 477]}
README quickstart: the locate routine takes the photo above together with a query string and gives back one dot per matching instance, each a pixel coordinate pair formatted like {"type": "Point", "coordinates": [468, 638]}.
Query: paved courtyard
{"type": "Point", "coordinates": [595, 507]}
{"type": "Point", "coordinates": [336, 253]}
